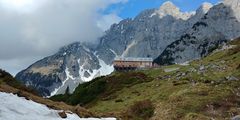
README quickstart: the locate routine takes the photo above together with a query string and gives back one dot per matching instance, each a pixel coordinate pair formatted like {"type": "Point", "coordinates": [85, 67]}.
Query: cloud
{"type": "Point", "coordinates": [42, 28]}
{"type": "Point", "coordinates": [106, 21]}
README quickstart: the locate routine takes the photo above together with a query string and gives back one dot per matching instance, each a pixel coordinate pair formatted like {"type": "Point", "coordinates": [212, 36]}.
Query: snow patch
{"type": "Point", "coordinates": [85, 75]}
{"type": "Point", "coordinates": [105, 69]}
{"type": "Point", "coordinates": [82, 71]}
{"type": "Point", "coordinates": [170, 69]}
{"type": "Point", "coordinates": [102, 71]}
{"type": "Point", "coordinates": [184, 63]}
{"type": "Point", "coordinates": [16, 108]}
{"type": "Point", "coordinates": [128, 48]}
{"type": "Point", "coordinates": [68, 74]}
{"type": "Point", "coordinates": [69, 77]}
{"type": "Point", "coordinates": [113, 52]}
{"type": "Point", "coordinates": [87, 49]}
{"type": "Point", "coordinates": [154, 14]}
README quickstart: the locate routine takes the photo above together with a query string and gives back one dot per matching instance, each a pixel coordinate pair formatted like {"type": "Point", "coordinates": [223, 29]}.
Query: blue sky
{"type": "Point", "coordinates": [133, 7]}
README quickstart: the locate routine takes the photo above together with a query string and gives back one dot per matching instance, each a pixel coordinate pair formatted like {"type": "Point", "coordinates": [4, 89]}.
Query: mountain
{"type": "Point", "coordinates": [70, 66]}
{"type": "Point", "coordinates": [221, 23]}
{"type": "Point", "coordinates": [148, 34]}
{"type": "Point", "coordinates": [165, 33]}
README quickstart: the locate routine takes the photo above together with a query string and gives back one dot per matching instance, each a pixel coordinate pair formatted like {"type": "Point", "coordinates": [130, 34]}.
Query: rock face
{"type": "Point", "coordinates": [148, 34]}
{"type": "Point", "coordinates": [174, 35]}
{"type": "Point", "coordinates": [72, 65]}
{"type": "Point", "coordinates": [236, 117]}
{"type": "Point", "coordinates": [235, 6]}
{"type": "Point", "coordinates": [217, 26]}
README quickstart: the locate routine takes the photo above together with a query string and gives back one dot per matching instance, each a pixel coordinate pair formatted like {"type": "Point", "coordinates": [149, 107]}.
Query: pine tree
{"type": "Point", "coordinates": [67, 92]}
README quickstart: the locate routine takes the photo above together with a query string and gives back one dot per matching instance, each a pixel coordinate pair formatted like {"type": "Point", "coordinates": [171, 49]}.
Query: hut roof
{"type": "Point", "coordinates": [133, 59]}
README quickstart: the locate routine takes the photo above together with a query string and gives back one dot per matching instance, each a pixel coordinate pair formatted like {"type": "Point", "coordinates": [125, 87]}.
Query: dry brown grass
{"type": "Point", "coordinates": [141, 110]}
{"type": "Point", "coordinates": [238, 68]}
{"type": "Point", "coordinates": [45, 70]}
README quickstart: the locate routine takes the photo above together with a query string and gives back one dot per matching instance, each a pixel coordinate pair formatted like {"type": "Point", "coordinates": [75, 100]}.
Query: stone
{"type": "Point", "coordinates": [202, 67]}
{"type": "Point", "coordinates": [238, 67]}
{"type": "Point", "coordinates": [231, 78]}
{"type": "Point", "coordinates": [236, 117]}
{"type": "Point", "coordinates": [62, 114]}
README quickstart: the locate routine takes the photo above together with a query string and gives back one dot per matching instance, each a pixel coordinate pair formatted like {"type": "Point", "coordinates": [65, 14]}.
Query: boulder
{"type": "Point", "coordinates": [62, 114]}
{"type": "Point", "coordinates": [236, 117]}
{"type": "Point", "coordinates": [231, 78]}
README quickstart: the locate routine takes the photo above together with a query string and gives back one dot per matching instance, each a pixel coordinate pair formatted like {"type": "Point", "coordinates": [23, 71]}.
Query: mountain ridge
{"type": "Point", "coordinates": [214, 29]}
{"type": "Point", "coordinates": [147, 35]}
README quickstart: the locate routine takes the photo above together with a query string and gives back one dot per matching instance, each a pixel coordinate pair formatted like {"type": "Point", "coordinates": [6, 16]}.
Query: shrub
{"type": "Point", "coordinates": [118, 100]}
{"type": "Point", "coordinates": [141, 110]}
{"type": "Point", "coordinates": [61, 97]}
{"type": "Point", "coordinates": [102, 88]}
{"type": "Point", "coordinates": [86, 93]}
{"type": "Point", "coordinates": [234, 50]}
{"type": "Point", "coordinates": [179, 82]}
{"type": "Point", "coordinates": [238, 68]}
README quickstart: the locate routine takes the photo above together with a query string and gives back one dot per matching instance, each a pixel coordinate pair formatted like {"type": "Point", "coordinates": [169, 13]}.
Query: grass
{"type": "Point", "coordinates": [140, 110]}
{"type": "Point", "coordinates": [103, 88]}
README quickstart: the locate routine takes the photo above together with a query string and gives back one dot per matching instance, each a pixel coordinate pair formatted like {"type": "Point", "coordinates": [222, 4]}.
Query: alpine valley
{"type": "Point", "coordinates": [194, 73]}
{"type": "Point", "coordinates": [165, 34]}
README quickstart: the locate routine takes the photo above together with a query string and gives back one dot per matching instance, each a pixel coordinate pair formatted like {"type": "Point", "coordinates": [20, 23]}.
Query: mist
{"type": "Point", "coordinates": [40, 29]}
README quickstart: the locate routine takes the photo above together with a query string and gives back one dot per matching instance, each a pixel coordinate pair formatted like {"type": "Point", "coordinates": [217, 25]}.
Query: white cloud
{"type": "Point", "coordinates": [24, 6]}
{"type": "Point", "coordinates": [106, 21]}
{"type": "Point", "coordinates": [43, 27]}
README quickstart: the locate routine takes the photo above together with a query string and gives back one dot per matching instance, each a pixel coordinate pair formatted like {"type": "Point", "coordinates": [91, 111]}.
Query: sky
{"type": "Point", "coordinates": [133, 7]}
{"type": "Point", "coordinates": [33, 29]}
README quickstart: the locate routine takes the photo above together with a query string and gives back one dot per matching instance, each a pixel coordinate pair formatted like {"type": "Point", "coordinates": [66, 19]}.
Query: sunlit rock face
{"type": "Point", "coordinates": [149, 33]}
{"type": "Point", "coordinates": [218, 25]}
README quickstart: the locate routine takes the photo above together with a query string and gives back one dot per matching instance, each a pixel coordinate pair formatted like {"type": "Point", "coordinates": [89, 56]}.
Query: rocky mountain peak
{"type": "Point", "coordinates": [205, 7]}
{"type": "Point", "coordinates": [71, 48]}
{"type": "Point", "coordinates": [168, 8]}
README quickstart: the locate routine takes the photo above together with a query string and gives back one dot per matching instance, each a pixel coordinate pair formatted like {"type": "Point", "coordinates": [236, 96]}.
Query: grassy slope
{"type": "Point", "coordinates": [187, 93]}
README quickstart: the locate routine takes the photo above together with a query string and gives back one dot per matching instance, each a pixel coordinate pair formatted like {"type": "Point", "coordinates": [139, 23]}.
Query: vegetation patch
{"type": "Point", "coordinates": [8, 79]}
{"type": "Point", "coordinates": [238, 68]}
{"type": "Point", "coordinates": [205, 89]}
{"type": "Point", "coordinates": [142, 110]}
{"type": "Point", "coordinates": [102, 88]}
